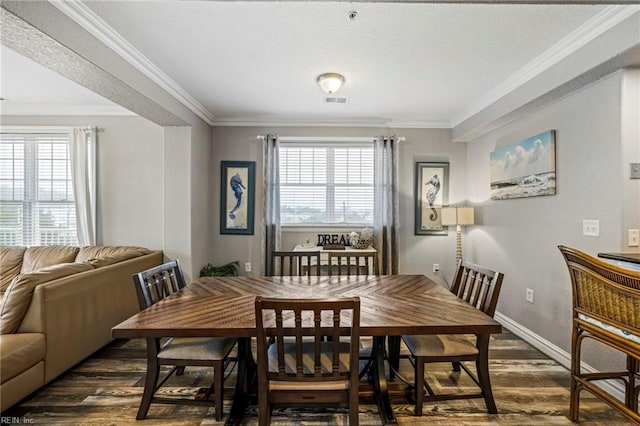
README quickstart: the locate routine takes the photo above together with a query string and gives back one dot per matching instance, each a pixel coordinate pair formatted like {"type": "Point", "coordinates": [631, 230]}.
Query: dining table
{"type": "Point", "coordinates": [391, 306]}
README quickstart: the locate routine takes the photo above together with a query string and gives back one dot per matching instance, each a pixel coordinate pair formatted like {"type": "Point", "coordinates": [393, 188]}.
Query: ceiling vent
{"type": "Point", "coordinates": [335, 100]}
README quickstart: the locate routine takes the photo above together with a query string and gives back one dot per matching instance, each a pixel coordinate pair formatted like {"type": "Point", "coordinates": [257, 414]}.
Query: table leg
{"type": "Point", "coordinates": [380, 382]}
{"type": "Point", "coordinates": [244, 381]}
{"type": "Point", "coordinates": [393, 352]}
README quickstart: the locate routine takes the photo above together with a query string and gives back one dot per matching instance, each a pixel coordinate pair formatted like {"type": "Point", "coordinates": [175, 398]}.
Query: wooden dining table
{"type": "Point", "coordinates": [391, 305]}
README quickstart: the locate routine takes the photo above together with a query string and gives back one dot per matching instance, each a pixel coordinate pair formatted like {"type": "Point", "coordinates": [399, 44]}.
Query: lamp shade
{"type": "Point", "coordinates": [457, 216]}
{"type": "Point", "coordinates": [448, 216]}
{"type": "Point", "coordinates": [330, 82]}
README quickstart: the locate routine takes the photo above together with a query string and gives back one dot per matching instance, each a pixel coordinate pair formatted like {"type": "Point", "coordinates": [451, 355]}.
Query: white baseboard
{"type": "Point", "coordinates": [556, 353]}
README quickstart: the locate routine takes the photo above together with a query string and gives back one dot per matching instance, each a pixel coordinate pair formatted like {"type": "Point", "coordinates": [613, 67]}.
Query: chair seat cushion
{"type": "Point", "coordinates": [326, 358]}
{"type": "Point", "coordinates": [197, 348]}
{"type": "Point", "coordinates": [307, 357]}
{"type": "Point", "coordinates": [440, 345]}
{"type": "Point", "coordinates": [610, 328]}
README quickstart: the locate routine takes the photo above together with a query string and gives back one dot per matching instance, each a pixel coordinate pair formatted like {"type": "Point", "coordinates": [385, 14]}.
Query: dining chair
{"type": "Point", "coordinates": [606, 308]}
{"type": "Point", "coordinates": [300, 367]}
{"type": "Point", "coordinates": [153, 285]}
{"type": "Point", "coordinates": [480, 287]}
{"type": "Point", "coordinates": [351, 262]}
{"type": "Point", "coordinates": [294, 263]}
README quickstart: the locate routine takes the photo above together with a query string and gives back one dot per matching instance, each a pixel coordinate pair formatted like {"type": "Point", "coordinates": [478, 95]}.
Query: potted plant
{"type": "Point", "coordinates": [228, 270]}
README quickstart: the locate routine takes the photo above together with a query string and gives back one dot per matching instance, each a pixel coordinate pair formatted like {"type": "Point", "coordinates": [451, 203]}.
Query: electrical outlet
{"type": "Point", "coordinates": [247, 266]}
{"type": "Point", "coordinates": [529, 295]}
{"type": "Point", "coordinates": [436, 268]}
{"type": "Point", "coordinates": [591, 228]}
{"type": "Point", "coordinates": [634, 238]}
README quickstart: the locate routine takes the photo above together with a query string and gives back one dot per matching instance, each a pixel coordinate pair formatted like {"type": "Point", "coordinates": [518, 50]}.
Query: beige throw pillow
{"type": "Point", "coordinates": [17, 298]}
{"type": "Point", "coordinates": [40, 257]}
{"type": "Point", "coordinates": [10, 265]}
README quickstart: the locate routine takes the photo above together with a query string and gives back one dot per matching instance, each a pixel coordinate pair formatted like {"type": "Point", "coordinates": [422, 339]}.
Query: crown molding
{"type": "Point", "coordinates": [97, 27]}
{"type": "Point", "coordinates": [52, 109]}
{"type": "Point", "coordinates": [594, 27]}
{"type": "Point", "coordinates": [329, 122]}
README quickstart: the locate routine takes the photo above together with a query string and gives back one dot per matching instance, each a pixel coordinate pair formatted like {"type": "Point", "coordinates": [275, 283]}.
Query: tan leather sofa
{"type": "Point", "coordinates": [58, 307]}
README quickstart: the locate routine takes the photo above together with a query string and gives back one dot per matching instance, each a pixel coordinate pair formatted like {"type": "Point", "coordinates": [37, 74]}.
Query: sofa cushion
{"type": "Point", "coordinates": [19, 352]}
{"type": "Point", "coordinates": [100, 256]}
{"type": "Point", "coordinates": [11, 261]}
{"type": "Point", "coordinates": [40, 257]}
{"type": "Point", "coordinates": [17, 298]}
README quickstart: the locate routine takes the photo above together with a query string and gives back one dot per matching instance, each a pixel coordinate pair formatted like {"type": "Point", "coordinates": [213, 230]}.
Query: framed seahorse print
{"type": "Point", "coordinates": [237, 197]}
{"type": "Point", "coordinates": [431, 192]}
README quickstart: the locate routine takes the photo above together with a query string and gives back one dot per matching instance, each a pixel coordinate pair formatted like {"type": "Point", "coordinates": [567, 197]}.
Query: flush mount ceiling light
{"type": "Point", "coordinates": [330, 82]}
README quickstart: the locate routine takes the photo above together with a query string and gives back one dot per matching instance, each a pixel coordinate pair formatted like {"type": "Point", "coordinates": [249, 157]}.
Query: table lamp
{"type": "Point", "coordinates": [458, 216]}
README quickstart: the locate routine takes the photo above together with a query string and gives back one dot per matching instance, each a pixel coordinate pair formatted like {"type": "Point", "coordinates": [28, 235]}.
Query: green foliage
{"type": "Point", "coordinates": [228, 270]}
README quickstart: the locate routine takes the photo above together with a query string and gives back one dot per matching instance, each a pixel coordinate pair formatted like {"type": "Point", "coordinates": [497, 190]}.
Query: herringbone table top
{"type": "Point", "coordinates": [390, 305]}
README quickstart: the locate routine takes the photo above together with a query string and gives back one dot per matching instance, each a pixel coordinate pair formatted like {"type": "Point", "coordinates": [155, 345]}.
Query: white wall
{"type": "Point", "coordinates": [130, 173]}
{"type": "Point", "coordinates": [520, 236]}
{"type": "Point", "coordinates": [417, 253]}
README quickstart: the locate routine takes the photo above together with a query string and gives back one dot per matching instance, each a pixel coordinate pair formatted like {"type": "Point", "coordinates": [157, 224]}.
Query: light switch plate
{"type": "Point", "coordinates": [634, 238]}
{"type": "Point", "coordinates": [635, 171]}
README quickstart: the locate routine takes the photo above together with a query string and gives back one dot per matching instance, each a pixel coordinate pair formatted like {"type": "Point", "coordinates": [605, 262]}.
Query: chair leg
{"type": "Point", "coordinates": [455, 365]}
{"type": "Point", "coordinates": [574, 398]}
{"type": "Point", "coordinates": [264, 410]}
{"type": "Point", "coordinates": [419, 385]}
{"type": "Point", "coordinates": [482, 366]}
{"type": "Point", "coordinates": [153, 372]}
{"type": "Point", "coordinates": [218, 377]}
{"type": "Point", "coordinates": [180, 370]}
{"type": "Point", "coordinates": [353, 405]}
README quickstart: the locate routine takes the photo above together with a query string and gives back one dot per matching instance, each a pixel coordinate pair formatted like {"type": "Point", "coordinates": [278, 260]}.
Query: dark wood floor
{"type": "Point", "coordinates": [530, 389]}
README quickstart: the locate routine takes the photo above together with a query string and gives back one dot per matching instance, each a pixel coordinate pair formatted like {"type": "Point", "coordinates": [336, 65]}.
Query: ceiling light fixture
{"type": "Point", "coordinates": [330, 82]}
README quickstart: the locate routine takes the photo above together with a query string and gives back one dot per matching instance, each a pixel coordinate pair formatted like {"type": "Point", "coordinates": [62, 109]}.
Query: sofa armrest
{"type": "Point", "coordinates": [76, 313]}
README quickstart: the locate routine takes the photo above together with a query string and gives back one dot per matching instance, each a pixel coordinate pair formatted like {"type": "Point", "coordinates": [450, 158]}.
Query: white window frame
{"type": "Point", "coordinates": [330, 143]}
{"type": "Point", "coordinates": [30, 199]}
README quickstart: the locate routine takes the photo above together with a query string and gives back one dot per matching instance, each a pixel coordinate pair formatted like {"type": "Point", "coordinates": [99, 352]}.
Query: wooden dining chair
{"type": "Point", "coordinates": [294, 263]}
{"type": "Point", "coordinates": [296, 365]}
{"type": "Point", "coordinates": [153, 285]}
{"type": "Point", "coordinates": [480, 287]}
{"type": "Point", "coordinates": [606, 308]}
{"type": "Point", "coordinates": [352, 263]}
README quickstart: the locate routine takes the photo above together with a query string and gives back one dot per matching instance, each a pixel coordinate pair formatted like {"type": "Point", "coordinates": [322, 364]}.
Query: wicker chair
{"type": "Point", "coordinates": [606, 308]}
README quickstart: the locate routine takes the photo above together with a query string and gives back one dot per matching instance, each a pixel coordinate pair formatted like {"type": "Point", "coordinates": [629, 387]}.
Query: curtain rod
{"type": "Point", "coordinates": [330, 138]}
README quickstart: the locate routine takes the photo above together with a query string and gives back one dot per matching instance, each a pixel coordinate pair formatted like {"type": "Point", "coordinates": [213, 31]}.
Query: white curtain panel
{"type": "Point", "coordinates": [386, 208]}
{"type": "Point", "coordinates": [271, 182]}
{"type": "Point", "coordinates": [82, 148]}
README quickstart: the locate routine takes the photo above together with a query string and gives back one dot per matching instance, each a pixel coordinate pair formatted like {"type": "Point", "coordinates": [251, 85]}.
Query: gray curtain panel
{"type": "Point", "coordinates": [386, 211]}
{"type": "Point", "coordinates": [271, 182]}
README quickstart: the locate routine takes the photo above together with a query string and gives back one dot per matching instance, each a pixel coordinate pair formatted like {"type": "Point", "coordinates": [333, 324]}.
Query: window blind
{"type": "Point", "coordinates": [36, 195]}
{"type": "Point", "coordinates": [326, 183]}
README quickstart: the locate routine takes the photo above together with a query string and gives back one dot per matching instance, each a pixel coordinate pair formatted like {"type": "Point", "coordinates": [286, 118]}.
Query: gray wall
{"type": "Point", "coordinates": [520, 236]}
{"type": "Point", "coordinates": [130, 173]}
{"type": "Point", "coordinates": [417, 253]}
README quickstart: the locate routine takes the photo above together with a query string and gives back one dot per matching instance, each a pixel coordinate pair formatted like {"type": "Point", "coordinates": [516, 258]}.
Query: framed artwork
{"type": "Point", "coordinates": [431, 192]}
{"type": "Point", "coordinates": [237, 197]}
{"type": "Point", "coordinates": [525, 169]}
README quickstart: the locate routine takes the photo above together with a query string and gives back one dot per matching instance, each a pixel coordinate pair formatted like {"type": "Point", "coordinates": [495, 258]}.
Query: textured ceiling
{"type": "Point", "coordinates": [412, 64]}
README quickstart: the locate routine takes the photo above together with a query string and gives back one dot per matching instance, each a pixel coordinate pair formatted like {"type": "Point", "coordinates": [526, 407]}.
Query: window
{"type": "Point", "coordinates": [36, 195]}
{"type": "Point", "coordinates": [326, 183]}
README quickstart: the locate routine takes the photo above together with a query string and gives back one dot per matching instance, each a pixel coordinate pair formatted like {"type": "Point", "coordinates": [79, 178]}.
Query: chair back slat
{"type": "Point", "coordinates": [351, 263]}
{"type": "Point", "coordinates": [294, 263]}
{"type": "Point", "coordinates": [478, 286]}
{"type": "Point", "coordinates": [304, 324]}
{"type": "Point", "coordinates": [156, 283]}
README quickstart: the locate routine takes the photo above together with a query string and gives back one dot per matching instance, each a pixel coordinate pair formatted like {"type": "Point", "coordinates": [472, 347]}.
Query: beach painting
{"type": "Point", "coordinates": [525, 169]}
